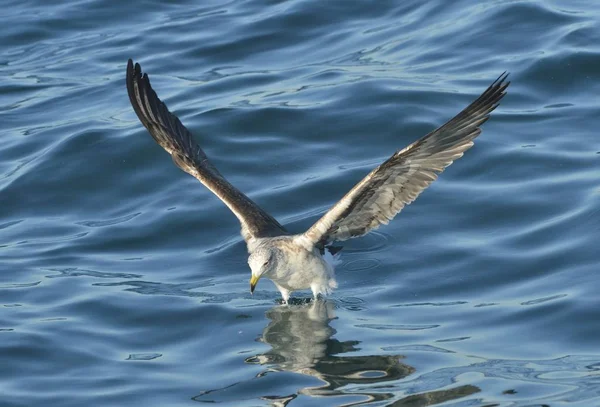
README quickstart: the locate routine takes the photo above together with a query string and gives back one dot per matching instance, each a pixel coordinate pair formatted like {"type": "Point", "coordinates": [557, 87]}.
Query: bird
{"type": "Point", "coordinates": [302, 261]}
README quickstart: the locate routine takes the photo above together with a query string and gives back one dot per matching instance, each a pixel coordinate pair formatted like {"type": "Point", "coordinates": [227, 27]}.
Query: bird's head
{"type": "Point", "coordinates": [262, 261]}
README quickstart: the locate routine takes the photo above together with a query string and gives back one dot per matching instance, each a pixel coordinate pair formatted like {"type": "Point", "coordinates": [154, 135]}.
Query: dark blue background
{"type": "Point", "coordinates": [124, 282]}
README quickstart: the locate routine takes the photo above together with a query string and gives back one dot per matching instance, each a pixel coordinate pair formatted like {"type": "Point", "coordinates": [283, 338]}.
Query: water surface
{"type": "Point", "coordinates": [124, 282]}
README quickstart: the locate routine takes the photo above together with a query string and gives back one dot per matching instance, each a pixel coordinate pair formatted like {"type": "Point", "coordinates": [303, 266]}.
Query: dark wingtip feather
{"type": "Point", "coordinates": [487, 102]}
{"type": "Point", "coordinates": [163, 126]}
{"type": "Point", "coordinates": [168, 131]}
{"type": "Point", "coordinates": [463, 127]}
{"type": "Point", "coordinates": [498, 88]}
{"type": "Point", "coordinates": [502, 77]}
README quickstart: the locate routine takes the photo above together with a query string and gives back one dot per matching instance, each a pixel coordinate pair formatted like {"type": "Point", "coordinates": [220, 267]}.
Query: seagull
{"type": "Point", "coordinates": [303, 261]}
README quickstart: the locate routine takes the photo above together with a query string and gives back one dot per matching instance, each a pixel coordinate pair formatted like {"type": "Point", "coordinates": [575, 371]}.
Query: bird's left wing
{"type": "Point", "coordinates": [398, 181]}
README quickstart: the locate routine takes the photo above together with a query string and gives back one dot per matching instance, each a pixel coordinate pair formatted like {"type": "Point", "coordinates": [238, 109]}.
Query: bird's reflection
{"type": "Point", "coordinates": [301, 341]}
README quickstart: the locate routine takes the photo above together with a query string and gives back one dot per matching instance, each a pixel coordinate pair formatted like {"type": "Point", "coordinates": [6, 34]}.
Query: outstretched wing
{"type": "Point", "coordinates": [170, 134]}
{"type": "Point", "coordinates": [397, 182]}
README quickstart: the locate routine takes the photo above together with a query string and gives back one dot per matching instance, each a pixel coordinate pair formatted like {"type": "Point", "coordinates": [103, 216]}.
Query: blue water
{"type": "Point", "coordinates": [123, 281]}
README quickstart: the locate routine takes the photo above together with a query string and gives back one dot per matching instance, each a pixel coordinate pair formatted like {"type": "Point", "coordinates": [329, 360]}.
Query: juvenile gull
{"type": "Point", "coordinates": [299, 261]}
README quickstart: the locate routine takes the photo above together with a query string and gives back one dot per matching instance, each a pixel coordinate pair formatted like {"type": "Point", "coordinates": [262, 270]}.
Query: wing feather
{"type": "Point", "coordinates": [168, 131]}
{"type": "Point", "coordinates": [397, 182]}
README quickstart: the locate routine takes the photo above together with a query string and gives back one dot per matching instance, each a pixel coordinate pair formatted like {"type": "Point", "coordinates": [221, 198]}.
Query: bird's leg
{"type": "Point", "coordinates": [315, 292]}
{"type": "Point", "coordinates": [285, 294]}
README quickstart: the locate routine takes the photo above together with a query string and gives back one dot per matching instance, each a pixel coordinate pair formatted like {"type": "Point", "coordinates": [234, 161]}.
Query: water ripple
{"type": "Point", "coordinates": [124, 281]}
{"type": "Point", "coordinates": [397, 327]}
{"type": "Point", "coordinates": [143, 356]}
{"type": "Point", "coordinates": [109, 222]}
{"type": "Point", "coordinates": [77, 272]}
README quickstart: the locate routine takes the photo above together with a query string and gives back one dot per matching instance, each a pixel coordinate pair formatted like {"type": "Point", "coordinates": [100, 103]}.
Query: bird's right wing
{"type": "Point", "coordinates": [398, 181]}
{"type": "Point", "coordinates": [170, 134]}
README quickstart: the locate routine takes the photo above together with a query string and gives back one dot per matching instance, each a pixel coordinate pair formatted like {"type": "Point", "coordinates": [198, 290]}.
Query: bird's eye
{"type": "Point", "coordinates": [265, 263]}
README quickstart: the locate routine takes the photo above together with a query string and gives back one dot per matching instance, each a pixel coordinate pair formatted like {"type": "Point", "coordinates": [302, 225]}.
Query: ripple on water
{"type": "Point", "coordinates": [20, 285]}
{"type": "Point", "coordinates": [458, 339]}
{"type": "Point", "coordinates": [6, 225]}
{"type": "Point", "coordinates": [397, 327]}
{"type": "Point", "coordinates": [351, 303]}
{"type": "Point", "coordinates": [544, 299]}
{"type": "Point", "coordinates": [144, 356]}
{"type": "Point", "coordinates": [519, 381]}
{"type": "Point", "coordinates": [78, 272]}
{"type": "Point", "coordinates": [374, 242]}
{"type": "Point", "coordinates": [123, 281]}
{"type": "Point", "coordinates": [418, 348]}
{"type": "Point", "coordinates": [430, 304]}
{"type": "Point", "coordinates": [361, 265]}
{"type": "Point", "coordinates": [108, 222]}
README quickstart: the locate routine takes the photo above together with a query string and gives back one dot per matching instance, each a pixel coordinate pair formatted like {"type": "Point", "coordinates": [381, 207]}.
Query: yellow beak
{"type": "Point", "coordinates": [253, 282]}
